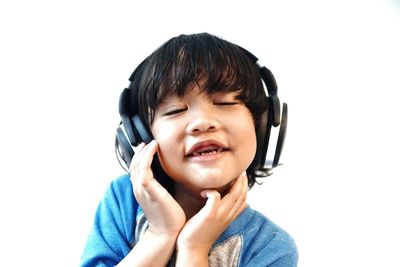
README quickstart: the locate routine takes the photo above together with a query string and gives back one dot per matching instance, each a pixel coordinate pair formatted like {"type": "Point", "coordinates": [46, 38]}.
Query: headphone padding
{"type": "Point", "coordinates": [143, 133]}
{"type": "Point", "coordinates": [262, 133]}
{"type": "Point", "coordinates": [130, 131]}
{"type": "Point", "coordinates": [276, 111]}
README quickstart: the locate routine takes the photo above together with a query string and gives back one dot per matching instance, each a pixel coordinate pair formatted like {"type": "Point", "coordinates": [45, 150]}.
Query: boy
{"type": "Point", "coordinates": [201, 100]}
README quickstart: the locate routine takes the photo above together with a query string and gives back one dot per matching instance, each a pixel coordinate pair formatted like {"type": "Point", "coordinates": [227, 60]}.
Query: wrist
{"type": "Point", "coordinates": [191, 257]}
{"type": "Point", "coordinates": [152, 249]}
{"type": "Point", "coordinates": [192, 249]}
{"type": "Point", "coordinates": [170, 236]}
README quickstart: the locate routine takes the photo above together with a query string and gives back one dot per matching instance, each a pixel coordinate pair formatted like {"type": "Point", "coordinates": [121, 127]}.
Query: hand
{"type": "Point", "coordinates": [203, 229]}
{"type": "Point", "coordinates": [163, 213]}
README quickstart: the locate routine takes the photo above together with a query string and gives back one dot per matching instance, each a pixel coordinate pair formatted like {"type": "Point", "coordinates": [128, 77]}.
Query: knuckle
{"type": "Point", "coordinates": [144, 183]}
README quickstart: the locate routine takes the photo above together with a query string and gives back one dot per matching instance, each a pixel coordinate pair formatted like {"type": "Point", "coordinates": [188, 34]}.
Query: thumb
{"type": "Point", "coordinates": [213, 198]}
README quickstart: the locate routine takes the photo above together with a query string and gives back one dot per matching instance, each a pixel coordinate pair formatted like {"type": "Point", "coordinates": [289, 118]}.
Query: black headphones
{"type": "Point", "coordinates": [270, 132]}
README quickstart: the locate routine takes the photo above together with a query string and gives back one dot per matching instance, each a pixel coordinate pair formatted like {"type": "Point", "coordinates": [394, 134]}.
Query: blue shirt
{"type": "Point", "coordinates": [250, 240]}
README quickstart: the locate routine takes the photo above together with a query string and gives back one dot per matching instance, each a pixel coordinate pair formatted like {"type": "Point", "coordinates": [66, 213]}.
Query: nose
{"type": "Point", "coordinates": [203, 120]}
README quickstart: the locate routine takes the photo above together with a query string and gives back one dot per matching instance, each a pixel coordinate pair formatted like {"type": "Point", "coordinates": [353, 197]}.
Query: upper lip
{"type": "Point", "coordinates": [205, 143]}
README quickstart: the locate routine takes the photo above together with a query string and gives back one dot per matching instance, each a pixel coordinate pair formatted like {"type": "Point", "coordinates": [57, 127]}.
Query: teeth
{"type": "Point", "coordinates": [210, 152]}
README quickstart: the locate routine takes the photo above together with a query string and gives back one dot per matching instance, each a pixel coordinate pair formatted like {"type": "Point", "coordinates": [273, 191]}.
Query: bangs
{"type": "Point", "coordinates": [185, 61]}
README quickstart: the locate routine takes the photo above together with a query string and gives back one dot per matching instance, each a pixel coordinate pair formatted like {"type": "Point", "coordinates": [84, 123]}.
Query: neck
{"type": "Point", "coordinates": [191, 202]}
{"type": "Point", "coordinates": [191, 205]}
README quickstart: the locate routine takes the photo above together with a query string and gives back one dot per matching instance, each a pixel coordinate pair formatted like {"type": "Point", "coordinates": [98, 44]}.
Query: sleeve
{"type": "Point", "coordinates": [113, 229]}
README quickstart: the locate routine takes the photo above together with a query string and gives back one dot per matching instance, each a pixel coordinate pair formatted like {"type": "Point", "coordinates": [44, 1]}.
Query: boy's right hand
{"type": "Point", "coordinates": [163, 213]}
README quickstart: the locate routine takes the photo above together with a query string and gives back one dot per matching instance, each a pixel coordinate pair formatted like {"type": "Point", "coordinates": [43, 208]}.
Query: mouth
{"type": "Point", "coordinates": [207, 148]}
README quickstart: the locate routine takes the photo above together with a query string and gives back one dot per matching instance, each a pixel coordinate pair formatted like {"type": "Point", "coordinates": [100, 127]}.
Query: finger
{"type": "Point", "coordinates": [133, 167]}
{"type": "Point", "coordinates": [212, 203]}
{"type": "Point", "coordinates": [139, 147]}
{"type": "Point", "coordinates": [136, 157]}
{"type": "Point", "coordinates": [142, 159]}
{"type": "Point", "coordinates": [141, 168]}
{"type": "Point", "coordinates": [237, 195]}
{"type": "Point", "coordinates": [152, 187]}
{"type": "Point", "coordinates": [147, 154]}
{"type": "Point", "coordinates": [234, 191]}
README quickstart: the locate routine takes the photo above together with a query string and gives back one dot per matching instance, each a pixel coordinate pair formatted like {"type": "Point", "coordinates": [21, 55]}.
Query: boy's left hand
{"type": "Point", "coordinates": [203, 229]}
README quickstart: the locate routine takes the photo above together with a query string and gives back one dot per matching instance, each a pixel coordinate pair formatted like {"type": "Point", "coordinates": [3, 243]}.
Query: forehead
{"type": "Point", "coordinates": [199, 93]}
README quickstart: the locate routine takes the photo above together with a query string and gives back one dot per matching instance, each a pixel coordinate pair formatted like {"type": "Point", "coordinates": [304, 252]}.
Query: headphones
{"type": "Point", "coordinates": [270, 133]}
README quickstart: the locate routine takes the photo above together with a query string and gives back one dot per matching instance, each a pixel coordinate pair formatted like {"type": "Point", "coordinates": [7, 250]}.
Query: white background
{"type": "Point", "coordinates": [337, 63]}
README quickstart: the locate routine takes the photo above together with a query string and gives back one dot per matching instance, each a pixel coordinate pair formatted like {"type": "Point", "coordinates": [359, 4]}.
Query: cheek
{"type": "Point", "coordinates": [251, 146]}
{"type": "Point", "coordinates": [248, 140]}
{"type": "Point", "coordinates": [168, 142]}
{"type": "Point", "coordinates": [161, 132]}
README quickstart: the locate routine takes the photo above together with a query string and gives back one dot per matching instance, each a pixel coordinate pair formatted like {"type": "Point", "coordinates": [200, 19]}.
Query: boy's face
{"type": "Point", "coordinates": [205, 141]}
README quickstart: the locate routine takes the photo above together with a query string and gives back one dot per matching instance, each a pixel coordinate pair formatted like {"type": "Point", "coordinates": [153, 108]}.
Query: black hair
{"type": "Point", "coordinates": [188, 60]}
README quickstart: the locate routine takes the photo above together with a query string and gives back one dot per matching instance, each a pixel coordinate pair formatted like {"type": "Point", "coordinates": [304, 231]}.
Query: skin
{"type": "Point", "coordinates": [210, 188]}
{"type": "Point", "coordinates": [181, 123]}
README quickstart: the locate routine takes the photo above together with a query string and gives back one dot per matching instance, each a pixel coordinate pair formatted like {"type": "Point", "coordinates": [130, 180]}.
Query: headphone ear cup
{"type": "Point", "coordinates": [130, 131]}
{"type": "Point", "coordinates": [262, 134]}
{"type": "Point", "coordinates": [270, 139]}
{"type": "Point", "coordinates": [142, 133]}
{"type": "Point", "coordinates": [281, 135]}
{"type": "Point", "coordinates": [124, 147]}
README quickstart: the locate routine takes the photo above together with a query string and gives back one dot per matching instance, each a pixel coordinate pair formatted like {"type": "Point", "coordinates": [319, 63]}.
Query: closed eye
{"type": "Point", "coordinates": [226, 103]}
{"type": "Point", "coordinates": [173, 112]}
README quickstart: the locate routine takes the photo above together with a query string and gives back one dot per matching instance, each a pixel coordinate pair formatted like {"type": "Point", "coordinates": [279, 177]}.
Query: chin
{"type": "Point", "coordinates": [223, 186]}
{"type": "Point", "coordinates": [196, 188]}
{"type": "Point", "coordinates": [223, 190]}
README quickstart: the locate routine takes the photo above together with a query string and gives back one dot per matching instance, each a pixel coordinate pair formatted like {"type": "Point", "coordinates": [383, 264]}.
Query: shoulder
{"type": "Point", "coordinates": [262, 227]}
{"type": "Point", "coordinates": [120, 194]}
{"type": "Point", "coordinates": [265, 243]}
{"type": "Point", "coordinates": [121, 184]}
{"type": "Point", "coordinates": [113, 229]}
